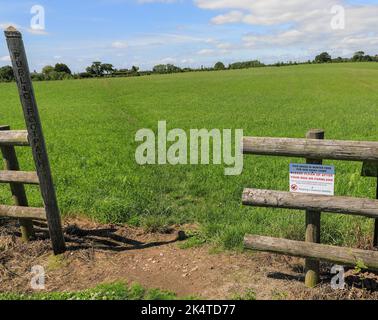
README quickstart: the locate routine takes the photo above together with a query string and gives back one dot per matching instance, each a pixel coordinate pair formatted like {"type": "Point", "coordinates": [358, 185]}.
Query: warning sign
{"type": "Point", "coordinates": [312, 178]}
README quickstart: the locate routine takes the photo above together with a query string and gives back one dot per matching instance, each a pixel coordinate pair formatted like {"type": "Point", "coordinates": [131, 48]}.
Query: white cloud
{"type": "Point", "coordinates": [168, 60]}
{"type": "Point", "coordinates": [300, 24]}
{"type": "Point", "coordinates": [231, 17]}
{"type": "Point", "coordinates": [120, 44]}
{"type": "Point", "coordinates": [186, 61]}
{"type": "Point", "coordinates": [5, 59]}
{"type": "Point", "coordinates": [38, 32]}
{"type": "Point", "coordinates": [206, 52]}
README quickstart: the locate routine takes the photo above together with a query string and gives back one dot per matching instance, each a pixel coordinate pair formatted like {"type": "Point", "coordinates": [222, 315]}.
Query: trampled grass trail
{"type": "Point", "coordinates": [90, 127]}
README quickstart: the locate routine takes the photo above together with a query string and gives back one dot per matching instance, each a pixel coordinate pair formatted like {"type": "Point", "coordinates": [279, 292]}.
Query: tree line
{"type": "Point", "coordinates": [98, 69]}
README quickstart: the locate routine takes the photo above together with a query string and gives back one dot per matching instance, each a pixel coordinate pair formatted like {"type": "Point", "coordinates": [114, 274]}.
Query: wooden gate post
{"type": "Point", "coordinates": [17, 189]}
{"type": "Point", "coordinates": [375, 240]}
{"type": "Point", "coordinates": [35, 135]}
{"type": "Point", "coordinates": [313, 224]}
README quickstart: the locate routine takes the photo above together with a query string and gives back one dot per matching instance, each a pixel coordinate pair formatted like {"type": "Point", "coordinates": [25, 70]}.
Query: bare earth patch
{"type": "Point", "coordinates": [108, 253]}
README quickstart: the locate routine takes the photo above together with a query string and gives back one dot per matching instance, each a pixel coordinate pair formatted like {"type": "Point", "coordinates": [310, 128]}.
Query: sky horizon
{"type": "Point", "coordinates": [188, 33]}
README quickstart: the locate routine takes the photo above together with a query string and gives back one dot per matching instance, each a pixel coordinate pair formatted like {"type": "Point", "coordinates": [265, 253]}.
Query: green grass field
{"type": "Point", "coordinates": [90, 126]}
{"type": "Point", "coordinates": [112, 291]}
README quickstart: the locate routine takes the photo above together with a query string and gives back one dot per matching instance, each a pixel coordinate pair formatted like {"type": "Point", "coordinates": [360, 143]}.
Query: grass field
{"type": "Point", "coordinates": [90, 126]}
{"type": "Point", "coordinates": [112, 291]}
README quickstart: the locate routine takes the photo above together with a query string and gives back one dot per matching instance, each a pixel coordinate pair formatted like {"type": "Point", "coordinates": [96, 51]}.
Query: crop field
{"type": "Point", "coordinates": [90, 127]}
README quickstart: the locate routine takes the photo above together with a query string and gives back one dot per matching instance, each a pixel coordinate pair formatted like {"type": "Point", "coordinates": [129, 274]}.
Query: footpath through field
{"type": "Point", "coordinates": [108, 253]}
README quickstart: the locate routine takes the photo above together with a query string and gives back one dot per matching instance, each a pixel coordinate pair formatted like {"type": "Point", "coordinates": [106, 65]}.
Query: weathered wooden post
{"type": "Point", "coordinates": [35, 135]}
{"type": "Point", "coordinates": [370, 169]}
{"type": "Point", "coordinates": [313, 224]}
{"type": "Point", "coordinates": [375, 240]}
{"type": "Point", "coordinates": [17, 189]}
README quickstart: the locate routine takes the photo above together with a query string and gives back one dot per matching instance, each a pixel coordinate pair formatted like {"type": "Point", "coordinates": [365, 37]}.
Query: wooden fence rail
{"type": "Point", "coordinates": [300, 201]}
{"type": "Point", "coordinates": [23, 212]}
{"type": "Point", "coordinates": [312, 148]}
{"type": "Point", "coordinates": [347, 256]}
{"type": "Point", "coordinates": [19, 177]}
{"type": "Point", "coordinates": [14, 138]}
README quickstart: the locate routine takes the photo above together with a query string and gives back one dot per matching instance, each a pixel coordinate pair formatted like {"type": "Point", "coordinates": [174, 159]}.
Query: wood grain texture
{"type": "Point", "coordinates": [375, 235]}
{"type": "Point", "coordinates": [25, 177]}
{"type": "Point", "coordinates": [36, 137]}
{"type": "Point", "coordinates": [14, 138]}
{"type": "Point", "coordinates": [23, 212]}
{"type": "Point", "coordinates": [300, 201]}
{"type": "Point", "coordinates": [347, 256]}
{"type": "Point", "coordinates": [17, 189]}
{"type": "Point", "coordinates": [312, 148]}
{"type": "Point", "coordinates": [312, 267]}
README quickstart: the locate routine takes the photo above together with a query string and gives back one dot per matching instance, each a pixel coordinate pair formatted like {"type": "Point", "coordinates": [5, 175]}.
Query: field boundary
{"type": "Point", "coordinates": [314, 148]}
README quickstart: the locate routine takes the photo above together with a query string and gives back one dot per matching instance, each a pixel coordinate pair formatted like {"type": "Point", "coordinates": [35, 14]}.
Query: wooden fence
{"type": "Point", "coordinates": [314, 149]}
{"type": "Point", "coordinates": [34, 138]}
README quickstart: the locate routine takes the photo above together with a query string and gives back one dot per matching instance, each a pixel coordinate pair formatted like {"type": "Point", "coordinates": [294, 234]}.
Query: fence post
{"type": "Point", "coordinates": [313, 224]}
{"type": "Point", "coordinates": [17, 189]}
{"type": "Point", "coordinates": [35, 135]}
{"type": "Point", "coordinates": [375, 240]}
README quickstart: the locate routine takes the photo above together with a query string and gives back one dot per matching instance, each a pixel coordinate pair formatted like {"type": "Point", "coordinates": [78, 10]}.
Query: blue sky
{"type": "Point", "coordinates": [189, 32]}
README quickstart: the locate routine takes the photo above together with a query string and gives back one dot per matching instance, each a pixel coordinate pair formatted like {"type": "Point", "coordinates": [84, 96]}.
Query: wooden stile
{"type": "Point", "coordinates": [24, 177]}
{"type": "Point", "coordinates": [17, 189]}
{"type": "Point", "coordinates": [14, 138]}
{"type": "Point", "coordinates": [23, 212]}
{"type": "Point", "coordinates": [35, 136]}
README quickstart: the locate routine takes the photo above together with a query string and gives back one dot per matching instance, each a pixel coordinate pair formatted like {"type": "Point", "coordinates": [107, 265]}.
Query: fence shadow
{"type": "Point", "coordinates": [107, 239]}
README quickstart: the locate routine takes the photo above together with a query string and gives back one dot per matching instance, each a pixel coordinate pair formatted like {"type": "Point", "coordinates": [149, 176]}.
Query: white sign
{"type": "Point", "coordinates": [312, 178]}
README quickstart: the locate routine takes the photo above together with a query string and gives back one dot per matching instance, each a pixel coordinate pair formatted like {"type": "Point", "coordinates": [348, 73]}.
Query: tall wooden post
{"type": "Point", "coordinates": [313, 224]}
{"type": "Point", "coordinates": [36, 138]}
{"type": "Point", "coordinates": [375, 240]}
{"type": "Point", "coordinates": [17, 189]}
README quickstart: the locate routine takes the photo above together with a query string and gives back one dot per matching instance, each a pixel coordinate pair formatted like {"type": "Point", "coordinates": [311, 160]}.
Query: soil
{"type": "Point", "coordinates": [100, 253]}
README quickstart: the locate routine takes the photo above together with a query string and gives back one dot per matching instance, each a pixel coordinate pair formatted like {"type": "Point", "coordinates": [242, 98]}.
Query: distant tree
{"type": "Point", "coordinates": [166, 68]}
{"type": "Point", "coordinates": [358, 56]}
{"type": "Point", "coordinates": [134, 69]}
{"type": "Point", "coordinates": [61, 67]}
{"type": "Point", "coordinates": [219, 66]}
{"type": "Point", "coordinates": [37, 76]}
{"type": "Point", "coordinates": [107, 68]}
{"type": "Point", "coordinates": [95, 69]}
{"type": "Point", "coordinates": [85, 75]}
{"type": "Point", "coordinates": [324, 57]}
{"type": "Point", "coordinates": [160, 68]}
{"type": "Point", "coordinates": [47, 70]}
{"type": "Point", "coordinates": [246, 64]}
{"type": "Point", "coordinates": [172, 68]}
{"type": "Point", "coordinates": [6, 74]}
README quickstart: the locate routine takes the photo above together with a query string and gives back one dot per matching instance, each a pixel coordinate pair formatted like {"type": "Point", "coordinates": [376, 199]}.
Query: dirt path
{"type": "Point", "coordinates": [107, 253]}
